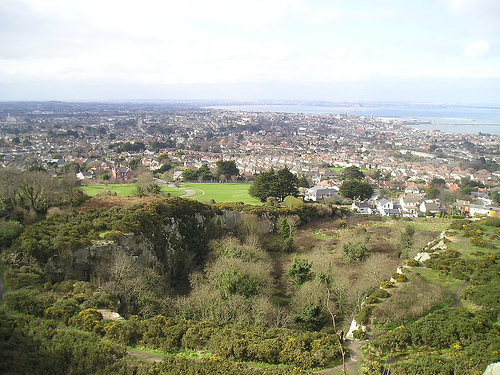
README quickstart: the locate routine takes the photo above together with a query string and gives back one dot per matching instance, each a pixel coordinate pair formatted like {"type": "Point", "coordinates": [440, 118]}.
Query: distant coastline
{"type": "Point", "coordinates": [453, 119]}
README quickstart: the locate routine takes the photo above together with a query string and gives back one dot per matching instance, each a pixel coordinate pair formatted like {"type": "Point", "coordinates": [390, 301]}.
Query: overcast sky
{"type": "Point", "coordinates": [425, 50]}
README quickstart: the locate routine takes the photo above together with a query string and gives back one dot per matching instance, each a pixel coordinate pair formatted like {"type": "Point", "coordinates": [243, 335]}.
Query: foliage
{"type": "Point", "coordinates": [354, 189]}
{"type": "Point", "coordinates": [360, 334]}
{"type": "Point", "coordinates": [352, 173]}
{"type": "Point", "coordinates": [33, 346]}
{"type": "Point", "coordinates": [354, 252]}
{"type": "Point", "coordinates": [449, 262]}
{"type": "Point", "coordinates": [9, 230]}
{"type": "Point", "coordinates": [483, 286]}
{"type": "Point", "coordinates": [27, 301]}
{"type": "Point", "coordinates": [409, 301]}
{"type": "Point", "coordinates": [293, 203]}
{"type": "Point", "coordinates": [300, 271]}
{"type": "Point", "coordinates": [413, 263]}
{"type": "Point", "coordinates": [278, 184]}
{"type": "Point", "coordinates": [310, 317]}
{"type": "Point", "coordinates": [227, 168]}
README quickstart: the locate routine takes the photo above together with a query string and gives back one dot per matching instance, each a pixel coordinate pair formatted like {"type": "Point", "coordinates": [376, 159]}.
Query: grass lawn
{"type": "Point", "coordinates": [227, 192]}
{"type": "Point", "coordinates": [122, 190]}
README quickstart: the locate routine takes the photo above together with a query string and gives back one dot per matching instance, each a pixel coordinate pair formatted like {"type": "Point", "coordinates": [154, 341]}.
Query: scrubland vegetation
{"type": "Point", "coordinates": [244, 289]}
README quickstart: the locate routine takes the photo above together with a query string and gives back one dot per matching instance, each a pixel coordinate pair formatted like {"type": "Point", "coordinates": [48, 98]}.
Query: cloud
{"type": "Point", "coordinates": [477, 49]}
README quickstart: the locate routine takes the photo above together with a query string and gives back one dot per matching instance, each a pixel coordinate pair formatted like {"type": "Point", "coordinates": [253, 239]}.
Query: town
{"type": "Point", "coordinates": [413, 172]}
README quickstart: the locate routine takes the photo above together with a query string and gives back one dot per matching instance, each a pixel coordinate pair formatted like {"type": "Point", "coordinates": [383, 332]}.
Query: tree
{"type": "Point", "coordinates": [36, 191]}
{"type": "Point", "coordinates": [352, 173]}
{"type": "Point", "coordinates": [300, 271]}
{"type": "Point", "coordinates": [274, 184]}
{"type": "Point", "coordinates": [432, 192]}
{"type": "Point", "coordinates": [302, 182]}
{"type": "Point", "coordinates": [227, 168]}
{"type": "Point", "coordinates": [285, 184]}
{"type": "Point", "coordinates": [354, 189]}
{"type": "Point", "coordinates": [262, 186]}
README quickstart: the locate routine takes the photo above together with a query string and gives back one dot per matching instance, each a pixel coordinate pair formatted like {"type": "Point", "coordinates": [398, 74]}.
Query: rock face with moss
{"type": "Point", "coordinates": [169, 235]}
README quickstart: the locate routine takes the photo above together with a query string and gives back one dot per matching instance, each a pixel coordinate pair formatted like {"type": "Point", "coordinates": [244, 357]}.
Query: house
{"type": "Point", "coordinates": [363, 208]}
{"type": "Point", "coordinates": [410, 204]}
{"type": "Point", "coordinates": [475, 210]}
{"type": "Point", "coordinates": [430, 207]}
{"type": "Point", "coordinates": [122, 174]}
{"type": "Point", "coordinates": [318, 193]}
{"type": "Point", "coordinates": [412, 189]}
{"type": "Point", "coordinates": [85, 175]}
{"type": "Point", "coordinates": [386, 207]}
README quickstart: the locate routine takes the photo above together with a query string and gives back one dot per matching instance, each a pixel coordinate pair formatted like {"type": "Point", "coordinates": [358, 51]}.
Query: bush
{"type": "Point", "coordinates": [89, 320]}
{"type": "Point", "coordinates": [300, 271]}
{"type": "Point", "coordinates": [409, 302]}
{"type": "Point", "coordinates": [387, 284]}
{"type": "Point", "coordinates": [310, 317]}
{"type": "Point", "coordinates": [400, 277]}
{"type": "Point", "coordinates": [360, 334]}
{"type": "Point", "coordinates": [354, 251]}
{"type": "Point", "coordinates": [62, 310]}
{"type": "Point", "coordinates": [413, 263]}
{"type": "Point", "coordinates": [9, 230]}
{"type": "Point", "coordinates": [364, 314]}
{"type": "Point", "coordinates": [27, 301]}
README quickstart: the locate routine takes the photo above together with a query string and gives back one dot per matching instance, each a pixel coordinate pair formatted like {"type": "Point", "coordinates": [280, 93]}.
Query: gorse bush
{"type": "Point", "coordinates": [300, 271]}
{"type": "Point", "coordinates": [354, 252]}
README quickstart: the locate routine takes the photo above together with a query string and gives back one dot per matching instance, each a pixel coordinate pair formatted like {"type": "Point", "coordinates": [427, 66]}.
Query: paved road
{"type": "Point", "coordinates": [188, 192]}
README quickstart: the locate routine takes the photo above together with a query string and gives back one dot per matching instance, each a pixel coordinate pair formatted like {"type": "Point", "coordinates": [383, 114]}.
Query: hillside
{"type": "Point", "coordinates": [229, 288]}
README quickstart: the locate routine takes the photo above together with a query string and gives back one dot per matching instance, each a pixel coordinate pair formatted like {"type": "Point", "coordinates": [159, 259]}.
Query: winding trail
{"type": "Point", "coordinates": [351, 364]}
{"type": "Point", "coordinates": [188, 192]}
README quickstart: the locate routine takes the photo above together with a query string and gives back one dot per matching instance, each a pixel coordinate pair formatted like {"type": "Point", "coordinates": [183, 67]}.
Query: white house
{"type": "Point", "coordinates": [431, 207]}
{"type": "Point", "coordinates": [386, 207]}
{"type": "Point", "coordinates": [363, 208]}
{"type": "Point", "coordinates": [318, 193]}
{"type": "Point", "coordinates": [410, 204]}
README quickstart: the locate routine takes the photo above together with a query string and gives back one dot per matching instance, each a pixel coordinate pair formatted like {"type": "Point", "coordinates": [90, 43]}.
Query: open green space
{"type": "Point", "coordinates": [224, 192]}
{"type": "Point", "coordinates": [123, 190]}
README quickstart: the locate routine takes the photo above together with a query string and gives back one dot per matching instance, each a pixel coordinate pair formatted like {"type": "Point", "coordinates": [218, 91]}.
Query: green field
{"type": "Point", "coordinates": [122, 190]}
{"type": "Point", "coordinates": [227, 192]}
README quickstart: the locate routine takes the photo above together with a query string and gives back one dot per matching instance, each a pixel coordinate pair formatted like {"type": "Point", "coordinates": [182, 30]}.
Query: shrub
{"type": "Point", "coordinates": [413, 263]}
{"type": "Point", "coordinates": [27, 301]}
{"type": "Point", "coordinates": [354, 251]}
{"type": "Point", "coordinates": [400, 277]}
{"type": "Point", "coordinates": [387, 284]}
{"type": "Point", "coordinates": [300, 271]}
{"type": "Point", "coordinates": [62, 310]}
{"type": "Point", "coordinates": [310, 317]}
{"type": "Point", "coordinates": [9, 230]}
{"type": "Point", "coordinates": [90, 320]}
{"type": "Point", "coordinates": [364, 314]}
{"type": "Point", "coordinates": [360, 334]}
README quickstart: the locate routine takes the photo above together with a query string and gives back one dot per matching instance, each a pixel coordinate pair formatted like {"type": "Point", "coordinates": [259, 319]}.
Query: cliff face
{"type": "Point", "coordinates": [171, 244]}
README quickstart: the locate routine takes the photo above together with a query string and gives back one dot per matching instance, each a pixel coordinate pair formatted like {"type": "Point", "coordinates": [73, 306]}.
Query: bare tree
{"type": "Point", "coordinates": [339, 338]}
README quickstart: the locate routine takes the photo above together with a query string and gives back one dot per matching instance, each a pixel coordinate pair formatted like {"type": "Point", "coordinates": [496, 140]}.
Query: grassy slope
{"type": "Point", "coordinates": [122, 190]}
{"type": "Point", "coordinates": [227, 192]}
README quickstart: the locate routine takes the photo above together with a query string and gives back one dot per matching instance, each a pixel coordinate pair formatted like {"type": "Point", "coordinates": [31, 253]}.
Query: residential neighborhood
{"type": "Point", "coordinates": [109, 141]}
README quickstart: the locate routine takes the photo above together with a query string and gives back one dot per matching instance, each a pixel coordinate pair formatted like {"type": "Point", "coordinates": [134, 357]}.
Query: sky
{"type": "Point", "coordinates": [386, 50]}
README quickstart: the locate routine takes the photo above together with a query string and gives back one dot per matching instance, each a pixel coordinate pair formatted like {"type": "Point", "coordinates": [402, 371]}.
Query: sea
{"type": "Point", "coordinates": [445, 118]}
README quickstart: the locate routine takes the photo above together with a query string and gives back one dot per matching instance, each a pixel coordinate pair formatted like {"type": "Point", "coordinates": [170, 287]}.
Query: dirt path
{"type": "Point", "coordinates": [352, 366]}
{"type": "Point", "coordinates": [456, 296]}
{"type": "Point", "coordinates": [277, 273]}
{"type": "Point", "coordinates": [146, 357]}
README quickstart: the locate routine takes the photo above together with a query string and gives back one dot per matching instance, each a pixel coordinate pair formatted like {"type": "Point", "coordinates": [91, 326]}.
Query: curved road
{"type": "Point", "coordinates": [188, 192]}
